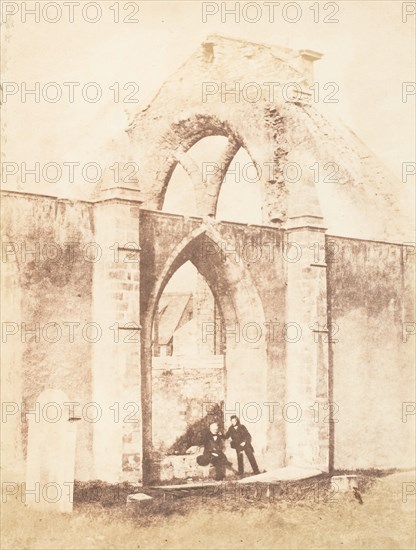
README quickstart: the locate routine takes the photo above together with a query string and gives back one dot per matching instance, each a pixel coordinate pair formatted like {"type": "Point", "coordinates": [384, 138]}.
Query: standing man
{"type": "Point", "coordinates": [213, 452]}
{"type": "Point", "coordinates": [241, 442]}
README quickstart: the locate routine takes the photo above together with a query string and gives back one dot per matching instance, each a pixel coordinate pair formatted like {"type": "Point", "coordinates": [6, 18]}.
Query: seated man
{"type": "Point", "coordinates": [213, 453]}
{"type": "Point", "coordinates": [241, 442]}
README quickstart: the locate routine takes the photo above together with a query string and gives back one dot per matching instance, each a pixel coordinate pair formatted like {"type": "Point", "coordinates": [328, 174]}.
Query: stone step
{"type": "Point", "coordinates": [288, 473]}
{"type": "Point", "coordinates": [138, 499]}
{"type": "Point", "coordinates": [187, 486]}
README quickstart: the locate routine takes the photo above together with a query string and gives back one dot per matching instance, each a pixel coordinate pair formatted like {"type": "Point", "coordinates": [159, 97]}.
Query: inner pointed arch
{"type": "Point", "coordinates": [196, 182]}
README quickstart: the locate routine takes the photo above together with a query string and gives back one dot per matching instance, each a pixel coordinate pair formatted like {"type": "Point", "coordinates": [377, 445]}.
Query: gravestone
{"type": "Point", "coordinates": [51, 454]}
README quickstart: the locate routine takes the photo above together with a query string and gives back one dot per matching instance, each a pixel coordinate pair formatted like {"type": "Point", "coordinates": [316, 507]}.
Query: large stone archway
{"type": "Point", "coordinates": [240, 306]}
{"type": "Point", "coordinates": [272, 134]}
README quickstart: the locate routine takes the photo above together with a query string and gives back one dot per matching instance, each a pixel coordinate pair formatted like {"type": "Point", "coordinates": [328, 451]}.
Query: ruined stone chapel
{"type": "Point", "coordinates": [302, 322]}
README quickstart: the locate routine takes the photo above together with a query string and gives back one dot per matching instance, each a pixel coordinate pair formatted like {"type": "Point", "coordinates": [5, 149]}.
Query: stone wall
{"type": "Point", "coordinates": [181, 398]}
{"type": "Point", "coordinates": [52, 287]}
{"type": "Point", "coordinates": [55, 295]}
{"type": "Point", "coordinates": [370, 293]}
{"type": "Point", "coordinates": [71, 285]}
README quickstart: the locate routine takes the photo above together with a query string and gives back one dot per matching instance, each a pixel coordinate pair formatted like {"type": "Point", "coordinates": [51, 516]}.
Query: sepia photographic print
{"type": "Point", "coordinates": [208, 275]}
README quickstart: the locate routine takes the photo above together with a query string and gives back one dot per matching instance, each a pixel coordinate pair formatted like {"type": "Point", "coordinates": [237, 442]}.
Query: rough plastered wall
{"type": "Point", "coordinates": [371, 305]}
{"type": "Point", "coordinates": [181, 398]}
{"type": "Point", "coordinates": [50, 283]}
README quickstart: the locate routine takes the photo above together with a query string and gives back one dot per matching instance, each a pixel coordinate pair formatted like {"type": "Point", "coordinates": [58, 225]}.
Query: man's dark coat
{"type": "Point", "coordinates": [239, 434]}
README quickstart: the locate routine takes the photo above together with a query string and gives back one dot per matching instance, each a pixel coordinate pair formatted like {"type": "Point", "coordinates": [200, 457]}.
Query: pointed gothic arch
{"type": "Point", "coordinates": [240, 308]}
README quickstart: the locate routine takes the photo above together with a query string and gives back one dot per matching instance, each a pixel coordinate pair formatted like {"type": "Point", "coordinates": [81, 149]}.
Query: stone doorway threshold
{"type": "Point", "coordinates": [288, 473]}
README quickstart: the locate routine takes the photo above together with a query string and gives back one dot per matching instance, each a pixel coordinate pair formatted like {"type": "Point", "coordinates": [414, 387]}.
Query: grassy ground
{"type": "Point", "coordinates": [291, 515]}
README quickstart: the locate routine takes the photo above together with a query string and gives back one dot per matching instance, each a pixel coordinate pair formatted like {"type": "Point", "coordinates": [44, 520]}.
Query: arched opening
{"type": "Point", "coordinates": [243, 345]}
{"type": "Point", "coordinates": [187, 370]}
{"type": "Point", "coordinates": [215, 177]}
{"type": "Point", "coordinates": [180, 194]}
{"type": "Point", "coordinates": [184, 318]}
{"type": "Point", "coordinates": [240, 195]}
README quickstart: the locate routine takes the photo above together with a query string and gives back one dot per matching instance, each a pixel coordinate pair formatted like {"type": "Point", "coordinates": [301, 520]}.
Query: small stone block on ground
{"type": "Point", "coordinates": [344, 483]}
{"type": "Point", "coordinates": [138, 499]}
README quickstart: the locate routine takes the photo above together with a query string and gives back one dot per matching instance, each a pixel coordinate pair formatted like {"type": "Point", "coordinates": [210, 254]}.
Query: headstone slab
{"type": "Point", "coordinates": [51, 454]}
